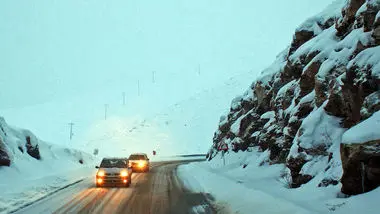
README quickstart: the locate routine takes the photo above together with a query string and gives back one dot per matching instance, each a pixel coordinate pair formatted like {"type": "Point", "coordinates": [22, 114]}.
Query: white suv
{"type": "Point", "coordinates": [114, 172]}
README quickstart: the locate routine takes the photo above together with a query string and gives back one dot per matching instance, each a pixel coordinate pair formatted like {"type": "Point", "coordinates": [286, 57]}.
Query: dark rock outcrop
{"type": "Point", "coordinates": [295, 166]}
{"type": "Point", "coordinates": [371, 105]}
{"type": "Point", "coordinates": [32, 150]}
{"type": "Point", "coordinates": [345, 24]}
{"type": "Point", "coordinates": [4, 157]}
{"type": "Point", "coordinates": [361, 167]}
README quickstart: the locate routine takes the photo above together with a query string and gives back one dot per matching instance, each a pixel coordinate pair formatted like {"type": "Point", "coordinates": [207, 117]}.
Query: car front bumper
{"type": "Point", "coordinates": [112, 181]}
{"type": "Point", "coordinates": [137, 168]}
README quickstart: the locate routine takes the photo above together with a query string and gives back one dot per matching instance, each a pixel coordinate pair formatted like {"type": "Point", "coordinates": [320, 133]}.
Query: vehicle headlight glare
{"type": "Point", "coordinates": [141, 164]}
{"type": "Point", "coordinates": [99, 180]}
{"type": "Point", "coordinates": [101, 174]}
{"type": "Point", "coordinates": [124, 174]}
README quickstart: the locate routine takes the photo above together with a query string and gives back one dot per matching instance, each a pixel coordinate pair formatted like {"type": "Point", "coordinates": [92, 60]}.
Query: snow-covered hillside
{"type": "Point", "coordinates": [35, 168]}
{"type": "Point", "coordinates": [24, 153]}
{"type": "Point", "coordinates": [324, 83]}
{"type": "Point", "coordinates": [183, 128]}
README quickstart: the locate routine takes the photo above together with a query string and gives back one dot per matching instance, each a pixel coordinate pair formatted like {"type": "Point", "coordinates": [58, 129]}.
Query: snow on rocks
{"type": "Point", "coordinates": [368, 58]}
{"type": "Point", "coordinates": [326, 82]}
{"type": "Point", "coordinates": [366, 131]}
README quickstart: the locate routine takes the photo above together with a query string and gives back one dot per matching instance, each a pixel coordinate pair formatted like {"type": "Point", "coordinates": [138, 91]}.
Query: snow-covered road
{"type": "Point", "coordinates": [158, 191]}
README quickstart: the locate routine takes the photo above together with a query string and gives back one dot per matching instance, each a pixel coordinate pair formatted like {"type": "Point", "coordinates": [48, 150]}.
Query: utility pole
{"type": "Point", "coordinates": [153, 77]}
{"type": "Point", "coordinates": [71, 130]}
{"type": "Point", "coordinates": [138, 88]}
{"type": "Point", "coordinates": [199, 69]}
{"type": "Point", "coordinates": [123, 98]}
{"type": "Point", "coordinates": [105, 111]}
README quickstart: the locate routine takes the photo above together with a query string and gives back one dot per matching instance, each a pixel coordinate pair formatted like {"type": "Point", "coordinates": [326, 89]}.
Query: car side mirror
{"type": "Point", "coordinates": [96, 167]}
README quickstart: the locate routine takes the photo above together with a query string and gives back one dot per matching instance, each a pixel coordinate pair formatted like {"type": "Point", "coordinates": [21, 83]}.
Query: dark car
{"type": "Point", "coordinates": [114, 172]}
{"type": "Point", "coordinates": [139, 162]}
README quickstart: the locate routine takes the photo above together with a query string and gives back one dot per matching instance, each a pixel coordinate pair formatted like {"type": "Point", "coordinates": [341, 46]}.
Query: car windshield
{"type": "Point", "coordinates": [137, 157]}
{"type": "Point", "coordinates": [114, 163]}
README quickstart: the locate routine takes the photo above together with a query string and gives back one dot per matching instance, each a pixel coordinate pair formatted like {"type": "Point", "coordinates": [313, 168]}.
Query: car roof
{"type": "Point", "coordinates": [115, 158]}
{"type": "Point", "coordinates": [138, 154]}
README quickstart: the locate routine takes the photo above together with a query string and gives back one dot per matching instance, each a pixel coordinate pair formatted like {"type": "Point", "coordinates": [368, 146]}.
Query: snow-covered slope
{"type": "Point", "coordinates": [183, 128]}
{"type": "Point", "coordinates": [31, 168]}
{"type": "Point", "coordinates": [326, 81]}
{"type": "Point", "coordinates": [23, 155]}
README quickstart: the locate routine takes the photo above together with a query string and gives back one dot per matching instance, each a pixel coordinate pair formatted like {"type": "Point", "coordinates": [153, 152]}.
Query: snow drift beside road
{"type": "Point", "coordinates": [247, 184]}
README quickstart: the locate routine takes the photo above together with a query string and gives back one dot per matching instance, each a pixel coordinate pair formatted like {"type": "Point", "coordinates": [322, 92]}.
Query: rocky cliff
{"type": "Point", "coordinates": [325, 82]}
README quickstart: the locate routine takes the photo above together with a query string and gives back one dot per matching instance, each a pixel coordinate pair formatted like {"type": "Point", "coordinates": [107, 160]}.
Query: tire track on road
{"type": "Point", "coordinates": [74, 202]}
{"type": "Point", "coordinates": [94, 201]}
{"type": "Point", "coordinates": [158, 192]}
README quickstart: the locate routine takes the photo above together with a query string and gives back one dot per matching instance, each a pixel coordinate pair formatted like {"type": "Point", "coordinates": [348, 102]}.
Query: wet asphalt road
{"type": "Point", "coordinates": [157, 192]}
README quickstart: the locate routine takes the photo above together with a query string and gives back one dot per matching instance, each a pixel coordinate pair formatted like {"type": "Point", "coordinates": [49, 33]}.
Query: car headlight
{"type": "Point", "coordinates": [101, 173]}
{"type": "Point", "coordinates": [141, 164]}
{"type": "Point", "coordinates": [99, 180]}
{"type": "Point", "coordinates": [124, 174]}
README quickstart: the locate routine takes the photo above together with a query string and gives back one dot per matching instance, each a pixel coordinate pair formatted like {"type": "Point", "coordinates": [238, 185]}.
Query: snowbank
{"type": "Point", "coordinates": [367, 130]}
{"type": "Point", "coordinates": [246, 184]}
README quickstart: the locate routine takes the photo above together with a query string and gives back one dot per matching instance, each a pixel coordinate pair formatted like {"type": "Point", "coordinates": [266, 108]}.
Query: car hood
{"type": "Point", "coordinates": [112, 170]}
{"type": "Point", "coordinates": [137, 161]}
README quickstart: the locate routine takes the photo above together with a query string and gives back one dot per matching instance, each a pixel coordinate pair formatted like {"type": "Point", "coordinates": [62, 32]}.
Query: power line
{"type": "Point", "coordinates": [153, 76]}
{"type": "Point", "coordinates": [138, 88]}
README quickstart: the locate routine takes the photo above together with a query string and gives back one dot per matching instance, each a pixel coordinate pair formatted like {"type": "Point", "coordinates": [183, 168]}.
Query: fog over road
{"type": "Point", "coordinates": [159, 191]}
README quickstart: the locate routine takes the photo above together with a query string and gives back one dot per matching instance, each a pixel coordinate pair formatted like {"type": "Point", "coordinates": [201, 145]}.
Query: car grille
{"type": "Point", "coordinates": [112, 174]}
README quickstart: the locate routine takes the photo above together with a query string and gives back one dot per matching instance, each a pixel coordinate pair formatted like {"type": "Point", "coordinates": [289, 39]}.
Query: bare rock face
{"type": "Point", "coordinates": [366, 18]}
{"type": "Point", "coordinates": [371, 105]}
{"type": "Point", "coordinates": [4, 157]}
{"type": "Point", "coordinates": [307, 82]}
{"type": "Point", "coordinates": [295, 166]}
{"type": "Point", "coordinates": [376, 35]}
{"type": "Point", "coordinates": [361, 167]}
{"type": "Point", "coordinates": [263, 98]}
{"type": "Point", "coordinates": [300, 37]}
{"type": "Point", "coordinates": [345, 24]}
{"type": "Point", "coordinates": [32, 150]}
{"type": "Point", "coordinates": [376, 31]}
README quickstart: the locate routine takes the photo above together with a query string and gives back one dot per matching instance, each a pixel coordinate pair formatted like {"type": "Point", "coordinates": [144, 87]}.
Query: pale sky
{"type": "Point", "coordinates": [51, 49]}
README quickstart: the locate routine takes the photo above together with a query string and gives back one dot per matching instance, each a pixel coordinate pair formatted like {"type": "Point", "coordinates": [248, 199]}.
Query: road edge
{"type": "Point", "coordinates": [46, 196]}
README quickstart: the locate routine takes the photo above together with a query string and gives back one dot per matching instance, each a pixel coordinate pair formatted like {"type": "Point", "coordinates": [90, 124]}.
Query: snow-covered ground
{"type": "Point", "coordinates": [247, 184]}
{"type": "Point", "coordinates": [20, 192]}
{"type": "Point", "coordinates": [29, 178]}
{"type": "Point", "coordinates": [31, 182]}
